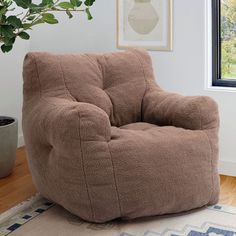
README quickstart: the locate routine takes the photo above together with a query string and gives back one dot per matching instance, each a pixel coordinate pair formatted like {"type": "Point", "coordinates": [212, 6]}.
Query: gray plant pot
{"type": "Point", "coordinates": [8, 144]}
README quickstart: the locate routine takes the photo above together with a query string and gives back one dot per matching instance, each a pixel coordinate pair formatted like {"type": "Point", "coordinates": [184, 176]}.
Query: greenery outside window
{"type": "Point", "coordinates": [224, 43]}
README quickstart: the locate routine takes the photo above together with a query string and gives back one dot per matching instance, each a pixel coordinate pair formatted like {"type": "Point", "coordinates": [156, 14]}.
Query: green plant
{"type": "Point", "coordinates": [14, 25]}
{"type": "Point", "coordinates": [228, 38]}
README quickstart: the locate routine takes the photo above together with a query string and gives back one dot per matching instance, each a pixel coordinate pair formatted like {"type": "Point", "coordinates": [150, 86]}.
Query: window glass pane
{"type": "Point", "coordinates": [228, 39]}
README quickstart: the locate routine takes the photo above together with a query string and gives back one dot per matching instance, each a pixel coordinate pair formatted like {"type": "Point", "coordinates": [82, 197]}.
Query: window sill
{"type": "Point", "coordinates": [221, 89]}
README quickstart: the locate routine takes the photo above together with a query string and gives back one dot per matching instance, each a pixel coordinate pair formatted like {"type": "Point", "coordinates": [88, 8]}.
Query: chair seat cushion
{"type": "Point", "coordinates": [161, 170]}
{"type": "Point", "coordinates": [139, 126]}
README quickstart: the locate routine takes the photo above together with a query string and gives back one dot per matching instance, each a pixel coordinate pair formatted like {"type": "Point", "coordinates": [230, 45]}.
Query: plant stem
{"type": "Point", "coordinates": [26, 14]}
{"type": "Point", "coordinates": [66, 10]}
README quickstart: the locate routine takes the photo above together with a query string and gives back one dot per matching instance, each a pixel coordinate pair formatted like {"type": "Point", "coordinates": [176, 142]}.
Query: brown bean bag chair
{"type": "Point", "coordinates": [104, 141]}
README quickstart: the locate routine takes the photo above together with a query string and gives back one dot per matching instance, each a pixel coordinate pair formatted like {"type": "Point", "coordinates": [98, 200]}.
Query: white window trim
{"type": "Point", "coordinates": [208, 53]}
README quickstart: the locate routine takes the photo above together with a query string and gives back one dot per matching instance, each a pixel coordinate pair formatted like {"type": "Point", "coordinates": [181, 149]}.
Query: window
{"type": "Point", "coordinates": [224, 43]}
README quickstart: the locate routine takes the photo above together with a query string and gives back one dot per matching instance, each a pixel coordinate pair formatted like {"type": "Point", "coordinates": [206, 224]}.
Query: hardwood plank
{"type": "Point", "coordinates": [228, 190]}
{"type": "Point", "coordinates": [19, 186]}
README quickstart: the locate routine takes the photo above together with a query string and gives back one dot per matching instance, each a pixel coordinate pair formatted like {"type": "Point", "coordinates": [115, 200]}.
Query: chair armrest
{"type": "Point", "coordinates": [189, 112]}
{"type": "Point", "coordinates": [58, 121]}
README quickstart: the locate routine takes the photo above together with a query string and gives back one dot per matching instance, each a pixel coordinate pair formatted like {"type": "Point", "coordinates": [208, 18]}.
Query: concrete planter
{"type": "Point", "coordinates": [8, 144]}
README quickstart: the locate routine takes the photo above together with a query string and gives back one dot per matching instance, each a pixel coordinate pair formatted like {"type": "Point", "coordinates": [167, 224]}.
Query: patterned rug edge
{"type": "Point", "coordinates": [19, 207]}
{"type": "Point", "coordinates": [22, 213]}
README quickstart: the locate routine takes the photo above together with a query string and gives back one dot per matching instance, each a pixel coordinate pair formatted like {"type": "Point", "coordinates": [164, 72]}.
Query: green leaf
{"type": "Point", "coordinates": [16, 22]}
{"type": "Point", "coordinates": [48, 16]}
{"type": "Point", "coordinates": [66, 5]}
{"type": "Point", "coordinates": [3, 18]}
{"type": "Point", "coordinates": [5, 48]}
{"type": "Point", "coordinates": [88, 14]}
{"type": "Point", "coordinates": [24, 35]}
{"type": "Point", "coordinates": [22, 3]}
{"type": "Point", "coordinates": [69, 14]}
{"type": "Point", "coordinates": [51, 21]}
{"type": "Point", "coordinates": [46, 3]}
{"type": "Point", "coordinates": [30, 18]}
{"type": "Point", "coordinates": [76, 3]}
{"type": "Point", "coordinates": [9, 41]}
{"type": "Point", "coordinates": [2, 10]}
{"type": "Point", "coordinates": [7, 31]}
{"type": "Point", "coordinates": [27, 26]}
{"type": "Point", "coordinates": [89, 2]}
{"type": "Point", "coordinates": [39, 21]}
{"type": "Point", "coordinates": [36, 8]}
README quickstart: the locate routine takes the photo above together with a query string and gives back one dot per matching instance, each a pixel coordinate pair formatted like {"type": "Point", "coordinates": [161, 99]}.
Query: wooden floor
{"type": "Point", "coordinates": [18, 186]}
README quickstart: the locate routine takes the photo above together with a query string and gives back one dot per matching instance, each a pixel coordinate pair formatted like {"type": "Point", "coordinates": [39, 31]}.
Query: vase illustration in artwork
{"type": "Point", "coordinates": [143, 17]}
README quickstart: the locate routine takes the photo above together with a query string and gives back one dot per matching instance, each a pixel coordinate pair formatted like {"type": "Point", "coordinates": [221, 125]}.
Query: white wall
{"type": "Point", "coordinates": [181, 71]}
{"type": "Point", "coordinates": [11, 83]}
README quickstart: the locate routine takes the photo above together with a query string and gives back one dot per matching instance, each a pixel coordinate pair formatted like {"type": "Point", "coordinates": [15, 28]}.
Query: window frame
{"type": "Point", "coordinates": [216, 48]}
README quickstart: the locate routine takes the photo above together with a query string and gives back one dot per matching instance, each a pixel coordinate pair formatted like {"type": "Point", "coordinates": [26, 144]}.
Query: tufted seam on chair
{"type": "Point", "coordinates": [199, 110]}
{"type": "Point", "coordinates": [82, 159]}
{"type": "Point", "coordinates": [212, 174]}
{"type": "Point", "coordinates": [97, 64]}
{"type": "Point", "coordinates": [145, 80]}
{"type": "Point", "coordinates": [210, 145]}
{"type": "Point", "coordinates": [36, 66]}
{"type": "Point", "coordinates": [112, 110]}
{"type": "Point", "coordinates": [173, 106]}
{"type": "Point", "coordinates": [64, 81]}
{"type": "Point", "coordinates": [84, 173]}
{"type": "Point", "coordinates": [171, 119]}
{"type": "Point", "coordinates": [104, 88]}
{"type": "Point", "coordinates": [115, 180]}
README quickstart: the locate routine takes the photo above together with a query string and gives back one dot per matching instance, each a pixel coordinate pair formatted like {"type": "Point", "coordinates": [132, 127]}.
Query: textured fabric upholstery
{"type": "Point", "coordinates": [104, 141]}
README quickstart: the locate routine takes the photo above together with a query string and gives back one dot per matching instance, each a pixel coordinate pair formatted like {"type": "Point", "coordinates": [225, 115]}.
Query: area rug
{"type": "Point", "coordinates": [39, 217]}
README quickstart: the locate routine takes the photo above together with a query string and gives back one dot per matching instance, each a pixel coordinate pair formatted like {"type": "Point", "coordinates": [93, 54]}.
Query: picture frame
{"type": "Point", "coordinates": [145, 23]}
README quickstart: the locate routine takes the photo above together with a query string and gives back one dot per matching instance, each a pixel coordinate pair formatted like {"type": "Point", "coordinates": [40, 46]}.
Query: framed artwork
{"type": "Point", "coordinates": [145, 23]}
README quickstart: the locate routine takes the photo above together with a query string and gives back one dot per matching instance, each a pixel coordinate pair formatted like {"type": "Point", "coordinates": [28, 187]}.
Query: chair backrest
{"type": "Point", "coordinates": [115, 82]}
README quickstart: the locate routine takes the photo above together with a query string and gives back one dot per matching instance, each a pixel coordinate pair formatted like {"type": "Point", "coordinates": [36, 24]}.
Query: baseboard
{"type": "Point", "coordinates": [227, 168]}
{"type": "Point", "coordinates": [21, 141]}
